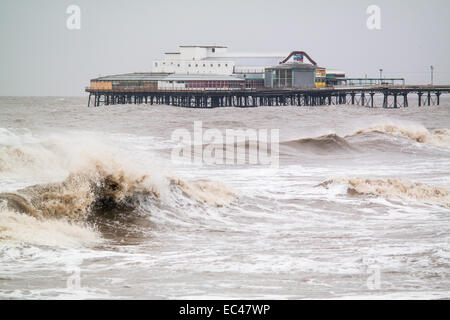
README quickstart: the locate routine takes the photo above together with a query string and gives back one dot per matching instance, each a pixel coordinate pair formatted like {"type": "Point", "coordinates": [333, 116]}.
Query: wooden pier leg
{"type": "Point", "coordinates": [438, 94]}
{"type": "Point", "coordinates": [429, 98]}
{"type": "Point", "coordinates": [385, 100]}
{"type": "Point", "coordinates": [405, 99]}
{"type": "Point", "coordinates": [419, 95]}
{"type": "Point", "coordinates": [371, 98]}
{"type": "Point", "coordinates": [395, 99]}
{"type": "Point", "coordinates": [89, 100]}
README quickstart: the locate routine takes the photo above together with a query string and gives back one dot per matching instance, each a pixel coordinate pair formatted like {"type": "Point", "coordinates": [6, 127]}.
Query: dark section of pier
{"type": "Point", "coordinates": [392, 96]}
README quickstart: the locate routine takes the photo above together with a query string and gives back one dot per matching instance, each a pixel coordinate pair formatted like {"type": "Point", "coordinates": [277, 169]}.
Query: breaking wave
{"type": "Point", "coordinates": [211, 192]}
{"type": "Point", "coordinates": [102, 188]}
{"type": "Point", "coordinates": [414, 132]}
{"type": "Point", "coordinates": [395, 188]}
{"type": "Point", "coordinates": [333, 143]}
{"type": "Point", "coordinates": [97, 181]}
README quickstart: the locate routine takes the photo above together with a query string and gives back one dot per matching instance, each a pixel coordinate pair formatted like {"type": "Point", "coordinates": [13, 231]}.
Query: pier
{"type": "Point", "coordinates": [392, 96]}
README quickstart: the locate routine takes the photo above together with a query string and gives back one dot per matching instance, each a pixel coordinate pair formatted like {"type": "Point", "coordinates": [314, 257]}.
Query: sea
{"type": "Point", "coordinates": [97, 203]}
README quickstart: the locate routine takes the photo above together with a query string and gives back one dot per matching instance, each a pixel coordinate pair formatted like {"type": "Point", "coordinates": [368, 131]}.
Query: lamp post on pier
{"type": "Point", "coordinates": [432, 70]}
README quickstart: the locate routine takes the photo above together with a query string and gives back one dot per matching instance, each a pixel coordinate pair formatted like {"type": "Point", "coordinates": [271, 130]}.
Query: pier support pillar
{"type": "Point", "coordinates": [385, 100]}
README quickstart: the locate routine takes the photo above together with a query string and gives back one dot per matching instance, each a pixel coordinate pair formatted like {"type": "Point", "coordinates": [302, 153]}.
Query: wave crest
{"type": "Point", "coordinates": [418, 133]}
{"type": "Point", "coordinates": [102, 189]}
{"type": "Point", "coordinates": [326, 143]}
{"type": "Point", "coordinates": [211, 192]}
{"type": "Point", "coordinates": [92, 178]}
{"type": "Point", "coordinates": [395, 188]}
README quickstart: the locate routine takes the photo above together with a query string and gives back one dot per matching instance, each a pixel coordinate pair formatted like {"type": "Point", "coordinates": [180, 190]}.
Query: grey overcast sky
{"type": "Point", "coordinates": [40, 56]}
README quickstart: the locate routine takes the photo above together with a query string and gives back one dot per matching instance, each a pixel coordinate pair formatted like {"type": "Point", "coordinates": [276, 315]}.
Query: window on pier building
{"type": "Point", "coordinates": [282, 78]}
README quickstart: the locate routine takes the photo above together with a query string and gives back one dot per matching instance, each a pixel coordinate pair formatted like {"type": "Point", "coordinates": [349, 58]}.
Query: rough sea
{"type": "Point", "coordinates": [93, 203]}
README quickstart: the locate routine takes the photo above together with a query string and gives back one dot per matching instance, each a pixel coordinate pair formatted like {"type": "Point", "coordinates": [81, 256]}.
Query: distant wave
{"type": "Point", "coordinates": [333, 143]}
{"type": "Point", "coordinates": [394, 189]}
{"type": "Point", "coordinates": [439, 137]}
{"type": "Point", "coordinates": [327, 143]}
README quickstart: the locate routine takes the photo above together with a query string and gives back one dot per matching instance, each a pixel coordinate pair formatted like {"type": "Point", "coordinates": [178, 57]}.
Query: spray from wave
{"type": "Point", "coordinates": [394, 189]}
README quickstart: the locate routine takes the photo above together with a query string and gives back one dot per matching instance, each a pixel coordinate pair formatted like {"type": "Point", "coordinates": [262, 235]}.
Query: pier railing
{"type": "Point", "coordinates": [164, 89]}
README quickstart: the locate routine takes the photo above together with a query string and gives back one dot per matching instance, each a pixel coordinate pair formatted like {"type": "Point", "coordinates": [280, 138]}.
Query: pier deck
{"type": "Point", "coordinates": [392, 96]}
